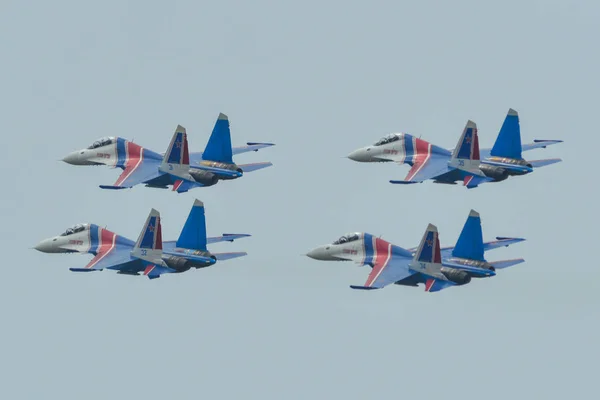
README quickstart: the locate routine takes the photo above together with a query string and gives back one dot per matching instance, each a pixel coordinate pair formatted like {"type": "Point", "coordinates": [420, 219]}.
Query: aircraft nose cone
{"type": "Point", "coordinates": [359, 155]}
{"type": "Point", "coordinates": [73, 158]}
{"type": "Point", "coordinates": [45, 246]}
{"type": "Point", "coordinates": [314, 254]}
{"type": "Point", "coordinates": [321, 254]}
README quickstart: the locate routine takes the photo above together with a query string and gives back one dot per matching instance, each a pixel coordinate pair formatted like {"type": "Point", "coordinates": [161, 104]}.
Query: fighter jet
{"type": "Point", "coordinates": [465, 162]}
{"type": "Point", "coordinates": [149, 255]}
{"type": "Point", "coordinates": [177, 167]}
{"type": "Point", "coordinates": [437, 268]}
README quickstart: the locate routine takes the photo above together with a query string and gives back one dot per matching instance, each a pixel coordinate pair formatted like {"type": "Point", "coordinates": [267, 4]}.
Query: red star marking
{"type": "Point", "coordinates": [151, 228]}
{"type": "Point", "coordinates": [468, 139]}
{"type": "Point", "coordinates": [178, 144]}
{"type": "Point", "coordinates": [429, 242]}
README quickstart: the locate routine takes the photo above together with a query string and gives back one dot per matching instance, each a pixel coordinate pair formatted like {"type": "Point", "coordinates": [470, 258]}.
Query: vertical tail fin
{"type": "Point", "coordinates": [428, 251]}
{"type": "Point", "coordinates": [470, 241]}
{"type": "Point", "coordinates": [193, 234]}
{"type": "Point", "coordinates": [149, 244]}
{"type": "Point", "coordinates": [218, 147]}
{"type": "Point", "coordinates": [466, 153]}
{"type": "Point", "coordinates": [428, 261]}
{"type": "Point", "coordinates": [177, 153]}
{"type": "Point", "coordinates": [508, 142]}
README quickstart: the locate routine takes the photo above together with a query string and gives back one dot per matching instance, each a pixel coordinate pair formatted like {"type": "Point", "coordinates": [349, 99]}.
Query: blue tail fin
{"type": "Point", "coordinates": [149, 244]}
{"type": "Point", "coordinates": [470, 241]}
{"type": "Point", "coordinates": [178, 152]}
{"type": "Point", "coordinates": [468, 144]}
{"type": "Point", "coordinates": [193, 234]}
{"type": "Point", "coordinates": [429, 249]}
{"type": "Point", "coordinates": [508, 142]}
{"type": "Point", "coordinates": [465, 156]}
{"type": "Point", "coordinates": [218, 147]}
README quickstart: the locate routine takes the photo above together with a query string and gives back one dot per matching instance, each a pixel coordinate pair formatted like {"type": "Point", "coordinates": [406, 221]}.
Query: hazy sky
{"type": "Point", "coordinates": [319, 78]}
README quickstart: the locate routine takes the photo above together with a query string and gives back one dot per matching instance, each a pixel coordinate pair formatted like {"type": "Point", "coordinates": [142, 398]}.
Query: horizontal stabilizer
{"type": "Point", "coordinates": [226, 237]}
{"type": "Point", "coordinates": [472, 181]}
{"type": "Point", "coordinates": [260, 144]}
{"type": "Point", "coordinates": [182, 186]}
{"type": "Point", "coordinates": [251, 146]}
{"type": "Point", "coordinates": [501, 242]}
{"type": "Point", "coordinates": [506, 263]}
{"type": "Point", "coordinates": [155, 271]}
{"type": "Point", "coordinates": [114, 187]}
{"type": "Point", "coordinates": [254, 166]}
{"type": "Point", "coordinates": [543, 163]}
{"type": "Point", "coordinates": [364, 287]}
{"type": "Point", "coordinates": [435, 285]}
{"type": "Point", "coordinates": [539, 144]}
{"type": "Point", "coordinates": [403, 182]}
{"type": "Point", "coordinates": [83, 269]}
{"type": "Point", "coordinates": [229, 256]}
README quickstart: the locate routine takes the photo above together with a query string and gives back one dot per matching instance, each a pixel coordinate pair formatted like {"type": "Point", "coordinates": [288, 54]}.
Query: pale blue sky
{"type": "Point", "coordinates": [319, 78]}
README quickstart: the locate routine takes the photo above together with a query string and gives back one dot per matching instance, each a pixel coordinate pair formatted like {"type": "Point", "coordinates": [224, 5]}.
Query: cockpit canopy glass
{"type": "Point", "coordinates": [73, 229]}
{"type": "Point", "coordinates": [102, 142]}
{"type": "Point", "coordinates": [351, 237]}
{"type": "Point", "coordinates": [387, 139]}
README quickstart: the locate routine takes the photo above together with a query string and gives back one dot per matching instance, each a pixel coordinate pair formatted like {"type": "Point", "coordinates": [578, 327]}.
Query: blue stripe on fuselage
{"type": "Point", "coordinates": [94, 241]}
{"type": "Point", "coordinates": [409, 148]}
{"type": "Point", "coordinates": [368, 242]}
{"type": "Point", "coordinates": [121, 153]}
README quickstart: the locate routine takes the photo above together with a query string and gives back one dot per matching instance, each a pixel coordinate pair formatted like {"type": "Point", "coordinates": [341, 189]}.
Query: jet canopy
{"type": "Point", "coordinates": [73, 229]}
{"type": "Point", "coordinates": [105, 141]}
{"type": "Point", "coordinates": [350, 237]}
{"type": "Point", "coordinates": [392, 137]}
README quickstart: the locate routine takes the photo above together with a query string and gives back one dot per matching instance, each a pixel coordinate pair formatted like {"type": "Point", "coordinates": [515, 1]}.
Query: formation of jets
{"type": "Point", "coordinates": [429, 264]}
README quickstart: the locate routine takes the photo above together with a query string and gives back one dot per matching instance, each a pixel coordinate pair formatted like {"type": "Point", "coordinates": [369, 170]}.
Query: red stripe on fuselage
{"type": "Point", "coordinates": [107, 244]}
{"type": "Point", "coordinates": [422, 153]}
{"type": "Point", "coordinates": [134, 158]}
{"type": "Point", "coordinates": [383, 253]}
{"type": "Point", "coordinates": [421, 147]}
